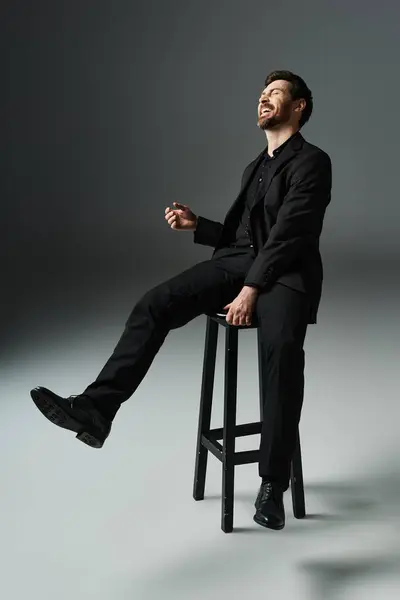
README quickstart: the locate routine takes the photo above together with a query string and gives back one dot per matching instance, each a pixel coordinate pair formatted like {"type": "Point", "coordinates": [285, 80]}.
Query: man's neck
{"type": "Point", "coordinates": [277, 137]}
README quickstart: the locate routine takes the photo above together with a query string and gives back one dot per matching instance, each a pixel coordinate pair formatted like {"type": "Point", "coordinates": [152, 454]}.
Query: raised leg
{"type": "Point", "coordinates": [296, 480]}
{"type": "Point", "coordinates": [167, 306]}
{"type": "Point", "coordinates": [228, 464]}
{"type": "Point", "coordinates": [207, 386]}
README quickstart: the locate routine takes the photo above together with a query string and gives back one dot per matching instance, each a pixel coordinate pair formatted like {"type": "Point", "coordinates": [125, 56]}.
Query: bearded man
{"type": "Point", "coordinates": [265, 263]}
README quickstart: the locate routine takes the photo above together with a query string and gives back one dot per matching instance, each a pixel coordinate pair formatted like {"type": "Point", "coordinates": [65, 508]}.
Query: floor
{"type": "Point", "coordinates": [120, 523]}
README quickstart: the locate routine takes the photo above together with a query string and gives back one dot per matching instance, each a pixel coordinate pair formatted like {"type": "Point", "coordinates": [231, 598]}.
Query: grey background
{"type": "Point", "coordinates": [110, 111]}
{"type": "Point", "coordinates": [115, 109]}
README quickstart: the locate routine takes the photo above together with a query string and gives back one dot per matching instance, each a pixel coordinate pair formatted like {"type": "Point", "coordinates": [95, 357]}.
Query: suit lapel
{"type": "Point", "coordinates": [287, 154]}
{"type": "Point", "coordinates": [248, 174]}
{"type": "Point", "coordinates": [250, 170]}
{"type": "Point", "coordinates": [279, 162]}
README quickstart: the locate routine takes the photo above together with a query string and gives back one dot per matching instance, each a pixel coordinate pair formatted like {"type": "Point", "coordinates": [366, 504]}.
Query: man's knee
{"type": "Point", "coordinates": [153, 304]}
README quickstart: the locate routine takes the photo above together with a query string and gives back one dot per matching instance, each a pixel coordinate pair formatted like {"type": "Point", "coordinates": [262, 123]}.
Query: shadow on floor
{"type": "Point", "coordinates": [365, 511]}
{"type": "Point", "coordinates": [363, 535]}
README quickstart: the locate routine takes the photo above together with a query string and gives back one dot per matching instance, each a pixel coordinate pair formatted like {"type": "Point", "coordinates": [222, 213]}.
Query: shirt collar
{"type": "Point", "coordinates": [278, 150]}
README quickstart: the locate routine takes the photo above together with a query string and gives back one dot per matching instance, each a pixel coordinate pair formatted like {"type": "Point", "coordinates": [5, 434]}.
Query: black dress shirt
{"type": "Point", "coordinates": [259, 180]}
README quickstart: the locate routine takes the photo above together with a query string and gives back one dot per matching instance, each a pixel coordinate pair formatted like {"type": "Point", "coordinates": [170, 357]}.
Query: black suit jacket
{"type": "Point", "coordinates": [285, 221]}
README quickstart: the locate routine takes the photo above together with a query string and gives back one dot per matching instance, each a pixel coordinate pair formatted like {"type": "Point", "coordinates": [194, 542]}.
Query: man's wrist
{"type": "Point", "coordinates": [251, 289]}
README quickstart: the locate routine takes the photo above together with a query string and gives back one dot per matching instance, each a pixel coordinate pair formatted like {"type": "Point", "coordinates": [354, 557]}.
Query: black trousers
{"type": "Point", "coordinates": [208, 286]}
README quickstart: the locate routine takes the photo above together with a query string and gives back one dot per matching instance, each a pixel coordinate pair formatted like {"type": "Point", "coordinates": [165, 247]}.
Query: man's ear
{"type": "Point", "coordinates": [300, 105]}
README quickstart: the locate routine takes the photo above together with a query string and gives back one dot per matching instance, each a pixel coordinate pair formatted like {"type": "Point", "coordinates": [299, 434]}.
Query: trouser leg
{"type": "Point", "coordinates": [283, 315]}
{"type": "Point", "coordinates": [204, 287]}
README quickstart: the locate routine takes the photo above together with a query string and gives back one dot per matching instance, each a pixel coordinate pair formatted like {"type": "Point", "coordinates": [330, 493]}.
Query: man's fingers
{"type": "Point", "coordinates": [170, 211]}
{"type": "Point", "coordinates": [237, 319]}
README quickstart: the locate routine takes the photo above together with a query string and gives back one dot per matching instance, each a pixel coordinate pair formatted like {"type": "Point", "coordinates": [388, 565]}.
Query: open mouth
{"type": "Point", "coordinates": [265, 111]}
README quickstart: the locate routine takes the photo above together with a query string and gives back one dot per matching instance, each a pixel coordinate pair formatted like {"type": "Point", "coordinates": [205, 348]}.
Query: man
{"type": "Point", "coordinates": [266, 262]}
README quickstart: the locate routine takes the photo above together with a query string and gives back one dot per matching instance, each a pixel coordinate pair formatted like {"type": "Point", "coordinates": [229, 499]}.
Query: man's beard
{"type": "Point", "coordinates": [271, 122]}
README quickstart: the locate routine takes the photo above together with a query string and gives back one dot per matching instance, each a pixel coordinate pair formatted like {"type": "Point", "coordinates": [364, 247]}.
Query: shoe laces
{"type": "Point", "coordinates": [266, 491]}
{"type": "Point", "coordinates": [80, 396]}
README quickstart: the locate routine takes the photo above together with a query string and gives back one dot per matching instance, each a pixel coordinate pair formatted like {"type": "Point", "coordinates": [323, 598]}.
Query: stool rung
{"type": "Point", "coordinates": [240, 430]}
{"type": "Point", "coordinates": [213, 446]}
{"type": "Point", "coordinates": [247, 457]}
{"type": "Point", "coordinates": [241, 458]}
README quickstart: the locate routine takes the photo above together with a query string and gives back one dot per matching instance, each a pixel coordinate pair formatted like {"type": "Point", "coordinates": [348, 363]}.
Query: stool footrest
{"type": "Point", "coordinates": [247, 457]}
{"type": "Point", "coordinates": [240, 430]}
{"type": "Point", "coordinates": [240, 458]}
{"type": "Point", "coordinates": [213, 446]}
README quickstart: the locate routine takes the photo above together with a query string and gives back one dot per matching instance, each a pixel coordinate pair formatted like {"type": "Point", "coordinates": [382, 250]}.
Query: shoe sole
{"type": "Point", "coordinates": [264, 524]}
{"type": "Point", "coordinates": [48, 406]}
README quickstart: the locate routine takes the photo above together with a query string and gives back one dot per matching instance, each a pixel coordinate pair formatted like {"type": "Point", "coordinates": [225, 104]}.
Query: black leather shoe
{"type": "Point", "coordinates": [270, 511]}
{"type": "Point", "coordinates": [76, 413]}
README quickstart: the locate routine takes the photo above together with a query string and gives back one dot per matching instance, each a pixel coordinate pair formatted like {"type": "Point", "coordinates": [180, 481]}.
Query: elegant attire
{"type": "Point", "coordinates": [270, 240]}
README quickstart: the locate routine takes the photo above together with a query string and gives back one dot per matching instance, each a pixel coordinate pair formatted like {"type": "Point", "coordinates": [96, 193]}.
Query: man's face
{"type": "Point", "coordinates": [275, 106]}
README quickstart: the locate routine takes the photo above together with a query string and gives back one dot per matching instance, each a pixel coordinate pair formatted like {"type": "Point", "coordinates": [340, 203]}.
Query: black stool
{"type": "Point", "coordinates": [207, 438]}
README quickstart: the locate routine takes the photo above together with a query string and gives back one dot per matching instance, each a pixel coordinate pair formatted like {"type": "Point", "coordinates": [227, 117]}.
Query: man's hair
{"type": "Point", "coordinates": [298, 89]}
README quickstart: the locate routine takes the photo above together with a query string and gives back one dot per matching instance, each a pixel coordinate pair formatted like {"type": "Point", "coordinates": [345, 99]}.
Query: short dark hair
{"type": "Point", "coordinates": [298, 89]}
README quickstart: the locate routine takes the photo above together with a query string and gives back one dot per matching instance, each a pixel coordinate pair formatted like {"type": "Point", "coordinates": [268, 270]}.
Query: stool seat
{"type": "Point", "coordinates": [220, 317]}
{"type": "Point", "coordinates": [207, 438]}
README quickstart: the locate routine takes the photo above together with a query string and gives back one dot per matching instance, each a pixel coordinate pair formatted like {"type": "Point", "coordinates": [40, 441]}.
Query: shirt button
{"type": "Point", "coordinates": [260, 179]}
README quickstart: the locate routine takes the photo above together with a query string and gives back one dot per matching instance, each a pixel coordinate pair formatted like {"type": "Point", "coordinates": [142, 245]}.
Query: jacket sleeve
{"type": "Point", "coordinates": [298, 224]}
{"type": "Point", "coordinates": [207, 232]}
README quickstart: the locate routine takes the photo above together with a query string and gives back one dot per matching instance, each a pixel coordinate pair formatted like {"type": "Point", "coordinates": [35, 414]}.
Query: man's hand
{"type": "Point", "coordinates": [241, 308]}
{"type": "Point", "coordinates": [181, 217]}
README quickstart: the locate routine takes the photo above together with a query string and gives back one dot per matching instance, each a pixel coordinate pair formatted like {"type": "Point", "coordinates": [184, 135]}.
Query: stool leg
{"type": "Point", "coordinates": [260, 374]}
{"type": "Point", "coordinates": [207, 386]}
{"type": "Point", "coordinates": [296, 480]}
{"type": "Point", "coordinates": [228, 463]}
